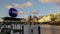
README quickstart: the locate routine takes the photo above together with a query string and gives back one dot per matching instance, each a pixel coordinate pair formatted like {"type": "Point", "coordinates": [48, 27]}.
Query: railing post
{"type": "Point", "coordinates": [22, 29]}
{"type": "Point", "coordinates": [39, 32]}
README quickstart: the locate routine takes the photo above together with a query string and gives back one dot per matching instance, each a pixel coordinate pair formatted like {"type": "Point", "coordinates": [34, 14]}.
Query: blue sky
{"type": "Point", "coordinates": [26, 6]}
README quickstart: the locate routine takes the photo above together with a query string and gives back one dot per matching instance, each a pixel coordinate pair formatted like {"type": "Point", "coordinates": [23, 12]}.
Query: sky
{"type": "Point", "coordinates": [29, 7]}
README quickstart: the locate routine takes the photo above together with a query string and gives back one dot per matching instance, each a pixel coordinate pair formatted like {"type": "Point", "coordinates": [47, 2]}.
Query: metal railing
{"type": "Point", "coordinates": [23, 28]}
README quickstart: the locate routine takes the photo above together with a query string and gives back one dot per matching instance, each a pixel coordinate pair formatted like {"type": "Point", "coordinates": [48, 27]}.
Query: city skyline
{"type": "Point", "coordinates": [25, 7]}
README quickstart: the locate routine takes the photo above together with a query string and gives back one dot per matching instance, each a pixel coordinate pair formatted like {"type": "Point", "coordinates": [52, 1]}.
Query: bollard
{"type": "Point", "coordinates": [22, 29]}
{"type": "Point", "coordinates": [39, 30]}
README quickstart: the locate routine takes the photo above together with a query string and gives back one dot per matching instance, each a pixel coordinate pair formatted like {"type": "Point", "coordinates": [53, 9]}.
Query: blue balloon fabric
{"type": "Point", "coordinates": [12, 12]}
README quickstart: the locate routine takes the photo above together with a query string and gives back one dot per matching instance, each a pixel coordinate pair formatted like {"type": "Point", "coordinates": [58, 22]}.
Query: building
{"type": "Point", "coordinates": [10, 25]}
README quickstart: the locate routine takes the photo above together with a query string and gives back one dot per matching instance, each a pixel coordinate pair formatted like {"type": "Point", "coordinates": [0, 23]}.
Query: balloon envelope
{"type": "Point", "coordinates": [12, 12]}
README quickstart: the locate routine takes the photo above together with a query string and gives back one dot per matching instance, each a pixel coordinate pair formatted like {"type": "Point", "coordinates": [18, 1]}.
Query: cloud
{"type": "Point", "coordinates": [34, 12]}
{"type": "Point", "coordinates": [26, 4]}
{"type": "Point", "coordinates": [21, 6]}
{"type": "Point", "coordinates": [8, 7]}
{"type": "Point", "coordinates": [48, 1]}
{"type": "Point", "coordinates": [58, 2]}
{"type": "Point", "coordinates": [20, 12]}
{"type": "Point", "coordinates": [18, 5]}
{"type": "Point", "coordinates": [43, 1]}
